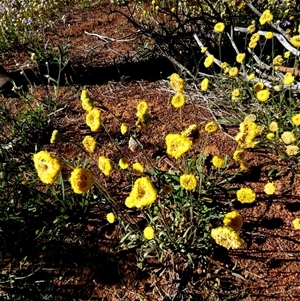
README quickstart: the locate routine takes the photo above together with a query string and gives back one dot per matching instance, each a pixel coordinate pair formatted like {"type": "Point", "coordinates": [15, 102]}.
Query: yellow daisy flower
{"type": "Point", "coordinates": [188, 181]}
{"type": "Point", "coordinates": [137, 168]}
{"type": "Point", "coordinates": [123, 163]}
{"type": "Point", "coordinates": [81, 180]}
{"type": "Point", "coordinates": [233, 220]}
{"type": "Point", "coordinates": [270, 188]}
{"type": "Point", "coordinates": [177, 145]}
{"type": "Point", "coordinates": [176, 82]}
{"type": "Point", "coordinates": [143, 193]}
{"type": "Point", "coordinates": [288, 78]}
{"type": "Point", "coordinates": [278, 60]}
{"type": "Point", "coordinates": [288, 137]}
{"type": "Point", "coordinates": [240, 57]}
{"type": "Point", "coordinates": [149, 233]}
{"type": "Point", "coordinates": [292, 150]}
{"type": "Point", "coordinates": [211, 127]}
{"type": "Point", "coordinates": [263, 95]}
{"type": "Point", "coordinates": [269, 35]}
{"type": "Point", "coordinates": [273, 126]}
{"type": "Point", "coordinates": [124, 128]}
{"type": "Point", "coordinates": [295, 41]}
{"type": "Point", "coordinates": [226, 237]}
{"type": "Point", "coordinates": [219, 27]}
{"type": "Point", "coordinates": [235, 94]}
{"type": "Point", "coordinates": [93, 119]}
{"type": "Point", "coordinates": [218, 161]}
{"type": "Point", "coordinates": [258, 86]}
{"type": "Point", "coordinates": [296, 223]}
{"type": "Point", "coordinates": [110, 217]}
{"type": "Point", "coordinates": [204, 84]}
{"type": "Point", "coordinates": [246, 195]}
{"type": "Point", "coordinates": [55, 137]}
{"type": "Point", "coordinates": [209, 61]}
{"type": "Point", "coordinates": [178, 100]}
{"type": "Point", "coordinates": [89, 144]}
{"type": "Point", "coordinates": [105, 165]}
{"type": "Point", "coordinates": [265, 17]}
{"type": "Point", "coordinates": [296, 119]}
{"type": "Point", "coordinates": [47, 167]}
{"type": "Point", "coordinates": [233, 72]}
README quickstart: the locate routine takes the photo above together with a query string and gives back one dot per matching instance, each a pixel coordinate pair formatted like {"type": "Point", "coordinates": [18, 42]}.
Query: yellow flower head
{"type": "Point", "coordinates": [251, 28]}
{"type": "Point", "coordinates": [295, 41]}
{"type": "Point", "coordinates": [235, 94]}
{"type": "Point", "coordinates": [286, 55]}
{"type": "Point", "coordinates": [270, 136]}
{"type": "Point", "coordinates": [110, 217]}
{"type": "Point", "coordinates": [89, 144]}
{"type": "Point", "coordinates": [288, 78]}
{"type": "Point", "coordinates": [273, 126]}
{"type": "Point", "coordinates": [191, 132]}
{"type": "Point", "coordinates": [56, 137]}
{"type": "Point", "coordinates": [265, 17]}
{"type": "Point", "coordinates": [219, 27]}
{"type": "Point", "coordinates": [87, 104]}
{"type": "Point", "coordinates": [105, 166]}
{"type": "Point", "coordinates": [141, 124]}
{"type": "Point", "coordinates": [188, 181]}
{"type": "Point", "coordinates": [123, 163]}
{"type": "Point", "coordinates": [218, 161]}
{"type": "Point", "coordinates": [223, 65]}
{"type": "Point", "coordinates": [176, 82]}
{"type": "Point", "coordinates": [226, 237]}
{"type": "Point", "coordinates": [177, 145]}
{"type": "Point", "coordinates": [233, 72]}
{"type": "Point", "coordinates": [178, 100]}
{"type": "Point", "coordinates": [248, 132]}
{"type": "Point", "coordinates": [244, 166]}
{"type": "Point", "coordinates": [86, 101]}
{"type": "Point", "coordinates": [211, 127]}
{"type": "Point", "coordinates": [255, 37]}
{"type": "Point", "coordinates": [239, 155]}
{"type": "Point", "coordinates": [203, 49]}
{"type": "Point", "coordinates": [270, 188]}
{"type": "Point", "coordinates": [263, 95]}
{"type": "Point", "coordinates": [233, 220]}
{"type": "Point", "coordinates": [288, 137]}
{"type": "Point", "coordinates": [246, 195]}
{"type": "Point", "coordinates": [296, 223]}
{"type": "Point", "coordinates": [47, 167]}
{"type": "Point", "coordinates": [240, 57]}
{"type": "Point", "coordinates": [269, 35]}
{"type": "Point", "coordinates": [209, 61]}
{"type": "Point", "coordinates": [251, 76]}
{"type": "Point", "coordinates": [292, 150]}
{"type": "Point", "coordinates": [81, 180]}
{"type": "Point", "coordinates": [149, 232]}
{"type": "Point", "coordinates": [93, 119]}
{"type": "Point", "coordinates": [258, 86]}
{"type": "Point", "coordinates": [296, 119]}
{"type": "Point", "coordinates": [137, 168]}
{"type": "Point", "coordinates": [252, 44]}
{"type": "Point", "coordinates": [142, 109]}
{"type": "Point", "coordinates": [142, 194]}
{"type": "Point", "coordinates": [204, 84]}
{"type": "Point", "coordinates": [278, 60]}
{"type": "Point", "coordinates": [124, 128]}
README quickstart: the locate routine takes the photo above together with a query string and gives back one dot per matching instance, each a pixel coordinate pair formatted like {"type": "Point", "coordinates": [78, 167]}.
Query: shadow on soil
{"type": "Point", "coordinates": [73, 74]}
